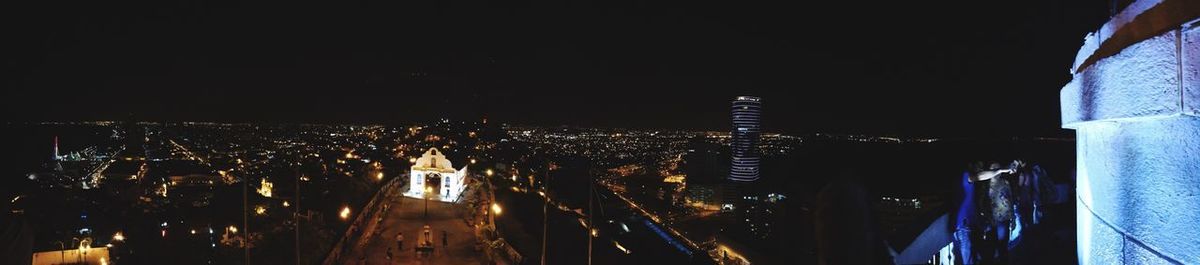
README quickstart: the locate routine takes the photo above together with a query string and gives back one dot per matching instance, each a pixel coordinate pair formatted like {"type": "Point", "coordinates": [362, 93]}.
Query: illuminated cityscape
{"type": "Point", "coordinates": [600, 132]}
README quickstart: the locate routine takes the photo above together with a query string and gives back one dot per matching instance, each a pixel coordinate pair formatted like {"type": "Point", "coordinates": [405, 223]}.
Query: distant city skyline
{"type": "Point", "coordinates": [662, 64]}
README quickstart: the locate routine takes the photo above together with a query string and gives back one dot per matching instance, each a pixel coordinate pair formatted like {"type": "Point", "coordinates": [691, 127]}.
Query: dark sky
{"type": "Point", "coordinates": [898, 67]}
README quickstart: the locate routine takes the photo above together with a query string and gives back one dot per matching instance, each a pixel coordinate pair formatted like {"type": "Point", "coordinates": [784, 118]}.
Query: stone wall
{"type": "Point", "coordinates": [1136, 113]}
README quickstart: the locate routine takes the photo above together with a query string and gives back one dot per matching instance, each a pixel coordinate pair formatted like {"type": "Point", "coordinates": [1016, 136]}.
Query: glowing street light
{"type": "Point", "coordinates": [345, 214]}
{"type": "Point", "coordinates": [232, 229]}
{"type": "Point", "coordinates": [489, 172]}
{"type": "Point", "coordinates": [379, 176]}
{"type": "Point", "coordinates": [496, 209]}
{"type": "Point", "coordinates": [472, 161]}
{"type": "Point", "coordinates": [118, 237]}
{"type": "Point", "coordinates": [85, 245]}
{"type": "Point", "coordinates": [412, 160]}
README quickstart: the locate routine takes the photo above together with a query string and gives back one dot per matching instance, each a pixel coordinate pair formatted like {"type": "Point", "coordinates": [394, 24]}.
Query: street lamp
{"type": "Point", "coordinates": [428, 190]}
{"type": "Point", "coordinates": [62, 252]}
{"type": "Point", "coordinates": [73, 240]}
{"type": "Point", "coordinates": [496, 208]}
{"type": "Point", "coordinates": [118, 237]}
{"type": "Point", "coordinates": [84, 246]}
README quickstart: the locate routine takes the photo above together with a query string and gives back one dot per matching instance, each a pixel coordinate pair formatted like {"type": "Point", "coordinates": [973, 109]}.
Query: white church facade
{"type": "Point", "coordinates": [434, 173]}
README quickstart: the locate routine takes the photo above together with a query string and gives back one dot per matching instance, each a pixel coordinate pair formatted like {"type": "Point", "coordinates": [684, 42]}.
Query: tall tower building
{"type": "Point", "coordinates": [741, 193]}
{"type": "Point", "coordinates": [56, 157]}
{"type": "Point", "coordinates": [744, 145]}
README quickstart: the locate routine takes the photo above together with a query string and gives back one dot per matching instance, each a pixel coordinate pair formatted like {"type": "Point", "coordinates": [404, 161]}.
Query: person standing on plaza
{"type": "Point", "coordinates": [400, 241]}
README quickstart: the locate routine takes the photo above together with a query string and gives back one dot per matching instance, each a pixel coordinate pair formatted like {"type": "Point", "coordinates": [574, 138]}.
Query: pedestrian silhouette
{"type": "Point", "coordinates": [400, 241]}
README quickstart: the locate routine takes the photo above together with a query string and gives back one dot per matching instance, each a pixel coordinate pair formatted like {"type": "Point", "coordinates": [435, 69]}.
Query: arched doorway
{"type": "Point", "coordinates": [434, 184]}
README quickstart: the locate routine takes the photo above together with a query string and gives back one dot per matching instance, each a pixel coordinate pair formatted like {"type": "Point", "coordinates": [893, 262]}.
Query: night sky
{"type": "Point", "coordinates": [934, 68]}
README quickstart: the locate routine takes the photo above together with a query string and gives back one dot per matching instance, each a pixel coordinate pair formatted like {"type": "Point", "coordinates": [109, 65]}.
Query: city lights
{"type": "Point", "coordinates": [675, 179]}
{"type": "Point", "coordinates": [941, 134]}
{"type": "Point", "coordinates": [266, 188]}
{"type": "Point", "coordinates": [620, 247]}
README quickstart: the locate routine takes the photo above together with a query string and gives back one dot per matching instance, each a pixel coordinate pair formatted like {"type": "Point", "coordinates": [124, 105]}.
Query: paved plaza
{"type": "Point", "coordinates": [407, 215]}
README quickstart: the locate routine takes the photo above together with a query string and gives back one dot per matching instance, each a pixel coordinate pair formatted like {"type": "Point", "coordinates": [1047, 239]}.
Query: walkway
{"type": "Point", "coordinates": [407, 215]}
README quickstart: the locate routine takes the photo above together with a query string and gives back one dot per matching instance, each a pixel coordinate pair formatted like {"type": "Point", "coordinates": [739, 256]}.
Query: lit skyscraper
{"type": "Point", "coordinates": [744, 167]}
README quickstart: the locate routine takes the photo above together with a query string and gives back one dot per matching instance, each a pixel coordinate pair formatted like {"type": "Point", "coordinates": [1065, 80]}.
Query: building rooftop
{"type": "Point", "coordinates": [434, 160]}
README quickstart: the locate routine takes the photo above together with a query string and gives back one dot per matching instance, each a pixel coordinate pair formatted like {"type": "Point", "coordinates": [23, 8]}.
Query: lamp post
{"type": "Point", "coordinates": [591, 226]}
{"type": "Point", "coordinates": [84, 245]}
{"type": "Point", "coordinates": [428, 190]}
{"type": "Point", "coordinates": [296, 217]}
{"type": "Point", "coordinates": [492, 198]}
{"type": "Point", "coordinates": [246, 220]}
{"type": "Point", "coordinates": [62, 252]}
{"type": "Point", "coordinates": [117, 237]}
{"type": "Point", "coordinates": [73, 240]}
{"type": "Point", "coordinates": [545, 212]}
